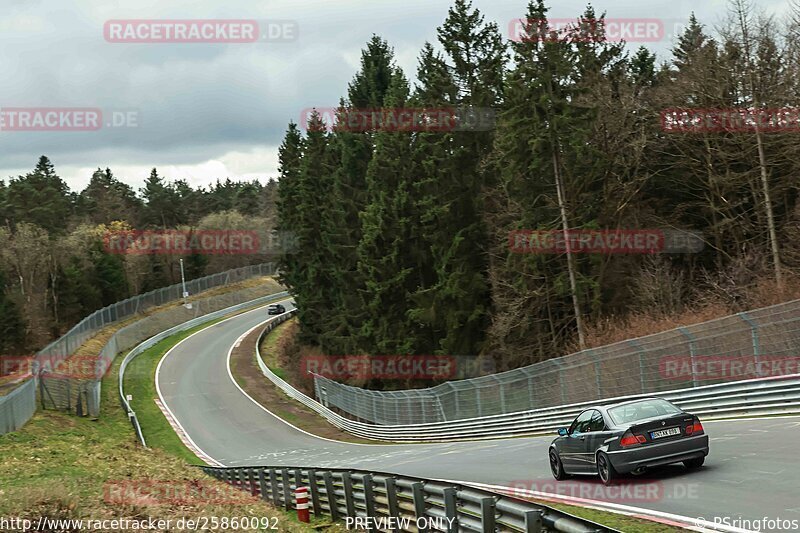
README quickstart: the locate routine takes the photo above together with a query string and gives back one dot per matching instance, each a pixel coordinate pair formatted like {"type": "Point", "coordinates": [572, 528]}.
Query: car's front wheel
{"type": "Point", "coordinates": [605, 469]}
{"type": "Point", "coordinates": [556, 466]}
{"type": "Point", "coordinates": [691, 464]}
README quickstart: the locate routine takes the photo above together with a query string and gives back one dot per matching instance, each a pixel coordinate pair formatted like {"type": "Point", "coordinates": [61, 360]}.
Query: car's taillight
{"type": "Point", "coordinates": [629, 439]}
{"type": "Point", "coordinates": [697, 427]}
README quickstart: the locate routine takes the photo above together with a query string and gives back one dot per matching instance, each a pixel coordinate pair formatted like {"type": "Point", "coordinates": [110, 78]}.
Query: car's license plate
{"type": "Point", "coordinates": [665, 433]}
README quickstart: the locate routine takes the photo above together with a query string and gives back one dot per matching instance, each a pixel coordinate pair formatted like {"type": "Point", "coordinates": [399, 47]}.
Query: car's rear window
{"type": "Point", "coordinates": [633, 412]}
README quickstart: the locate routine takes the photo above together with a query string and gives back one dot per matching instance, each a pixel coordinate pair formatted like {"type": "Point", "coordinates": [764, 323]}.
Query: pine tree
{"type": "Point", "coordinates": [106, 199]}
{"type": "Point", "coordinates": [161, 203]}
{"type": "Point", "coordinates": [470, 76]}
{"type": "Point", "coordinates": [353, 151]}
{"type": "Point", "coordinates": [40, 197]}
{"type": "Point", "coordinates": [384, 254]}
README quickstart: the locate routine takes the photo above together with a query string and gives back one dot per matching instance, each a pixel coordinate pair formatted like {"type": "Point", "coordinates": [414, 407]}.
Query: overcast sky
{"type": "Point", "coordinates": [211, 110]}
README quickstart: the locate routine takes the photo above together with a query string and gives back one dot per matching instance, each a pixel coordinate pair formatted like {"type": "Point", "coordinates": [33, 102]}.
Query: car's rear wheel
{"type": "Point", "coordinates": [691, 464]}
{"type": "Point", "coordinates": [556, 466]}
{"type": "Point", "coordinates": [605, 469]}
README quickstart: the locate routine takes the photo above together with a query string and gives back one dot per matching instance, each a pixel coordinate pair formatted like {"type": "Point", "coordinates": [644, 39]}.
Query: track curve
{"type": "Point", "coordinates": [751, 472]}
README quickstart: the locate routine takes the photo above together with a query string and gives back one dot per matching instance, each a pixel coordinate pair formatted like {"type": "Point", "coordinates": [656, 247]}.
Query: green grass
{"type": "Point", "coordinates": [59, 465]}
{"type": "Point", "coordinates": [614, 520]}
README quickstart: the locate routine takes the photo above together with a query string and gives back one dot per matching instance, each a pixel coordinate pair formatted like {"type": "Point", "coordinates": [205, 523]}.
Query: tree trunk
{"type": "Point", "coordinates": [571, 268]}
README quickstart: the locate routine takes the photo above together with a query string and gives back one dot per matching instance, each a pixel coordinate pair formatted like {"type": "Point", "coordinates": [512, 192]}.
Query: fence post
{"type": "Point", "coordinates": [314, 488]}
{"type": "Point", "coordinates": [561, 383]}
{"type": "Point", "coordinates": [531, 397]}
{"type": "Point", "coordinates": [369, 497]}
{"type": "Point", "coordinates": [251, 481]}
{"type": "Point", "coordinates": [502, 394]}
{"type": "Point", "coordinates": [451, 508]}
{"type": "Point", "coordinates": [287, 489]}
{"type": "Point", "coordinates": [349, 504]}
{"type": "Point", "coordinates": [692, 354]}
{"type": "Point", "coordinates": [756, 341]}
{"type": "Point", "coordinates": [331, 493]}
{"type": "Point", "coordinates": [639, 348]}
{"type": "Point", "coordinates": [391, 499]}
{"type": "Point", "coordinates": [533, 521]}
{"type": "Point", "coordinates": [597, 380]}
{"type": "Point", "coordinates": [418, 492]}
{"type": "Point", "coordinates": [262, 484]}
{"type": "Point", "coordinates": [273, 483]}
{"type": "Point", "coordinates": [487, 514]}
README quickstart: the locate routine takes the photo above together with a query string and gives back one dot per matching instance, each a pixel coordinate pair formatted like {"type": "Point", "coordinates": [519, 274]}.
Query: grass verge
{"type": "Point", "coordinates": [63, 467]}
{"type": "Point", "coordinates": [248, 375]}
{"type": "Point", "coordinates": [616, 521]}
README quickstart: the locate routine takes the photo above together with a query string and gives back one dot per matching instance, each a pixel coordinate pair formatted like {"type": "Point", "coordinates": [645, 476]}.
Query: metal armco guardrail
{"type": "Point", "coordinates": [740, 398]}
{"type": "Point", "coordinates": [140, 348]}
{"type": "Point", "coordinates": [400, 503]}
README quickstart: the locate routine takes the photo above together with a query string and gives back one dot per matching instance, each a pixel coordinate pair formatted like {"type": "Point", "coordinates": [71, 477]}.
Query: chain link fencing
{"type": "Point", "coordinates": [76, 386]}
{"type": "Point", "coordinates": [759, 344]}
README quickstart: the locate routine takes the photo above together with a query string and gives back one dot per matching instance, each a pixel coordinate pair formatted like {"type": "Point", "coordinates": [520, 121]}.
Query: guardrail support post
{"type": "Point", "coordinates": [369, 497]}
{"type": "Point", "coordinates": [487, 514]}
{"type": "Point", "coordinates": [251, 481]}
{"type": "Point", "coordinates": [349, 504]}
{"type": "Point", "coordinates": [451, 508]}
{"type": "Point", "coordinates": [331, 493]}
{"type": "Point", "coordinates": [287, 489]}
{"type": "Point", "coordinates": [533, 521]}
{"type": "Point", "coordinates": [314, 488]}
{"type": "Point", "coordinates": [273, 486]}
{"type": "Point", "coordinates": [391, 498]}
{"type": "Point", "coordinates": [418, 492]}
{"type": "Point", "coordinates": [298, 478]}
{"type": "Point", "coordinates": [262, 483]}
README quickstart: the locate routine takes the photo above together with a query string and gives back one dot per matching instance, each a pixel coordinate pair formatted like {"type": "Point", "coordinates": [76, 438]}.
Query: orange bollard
{"type": "Point", "coordinates": [301, 495]}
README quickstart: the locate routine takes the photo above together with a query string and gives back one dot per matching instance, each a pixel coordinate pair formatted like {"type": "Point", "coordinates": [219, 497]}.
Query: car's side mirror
{"type": "Point", "coordinates": [562, 431]}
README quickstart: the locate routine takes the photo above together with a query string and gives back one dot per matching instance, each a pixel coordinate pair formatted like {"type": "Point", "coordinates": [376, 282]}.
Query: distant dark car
{"type": "Point", "coordinates": [626, 438]}
{"type": "Point", "coordinates": [275, 309]}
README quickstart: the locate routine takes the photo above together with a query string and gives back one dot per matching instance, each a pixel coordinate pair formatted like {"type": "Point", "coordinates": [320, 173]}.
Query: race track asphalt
{"type": "Point", "coordinates": [752, 471]}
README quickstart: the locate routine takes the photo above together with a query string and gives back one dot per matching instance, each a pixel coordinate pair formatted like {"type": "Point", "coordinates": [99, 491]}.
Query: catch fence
{"type": "Point", "coordinates": [756, 344]}
{"type": "Point", "coordinates": [78, 389]}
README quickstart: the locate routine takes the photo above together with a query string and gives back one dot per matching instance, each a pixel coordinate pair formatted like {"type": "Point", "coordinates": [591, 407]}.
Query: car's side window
{"type": "Point", "coordinates": [581, 424]}
{"type": "Point", "coordinates": [596, 423]}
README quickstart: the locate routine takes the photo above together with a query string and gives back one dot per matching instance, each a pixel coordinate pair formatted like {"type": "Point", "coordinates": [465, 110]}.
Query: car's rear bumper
{"type": "Point", "coordinates": [673, 451]}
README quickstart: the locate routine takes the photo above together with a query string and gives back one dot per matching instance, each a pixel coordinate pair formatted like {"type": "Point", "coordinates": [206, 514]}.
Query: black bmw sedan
{"type": "Point", "coordinates": [628, 437]}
